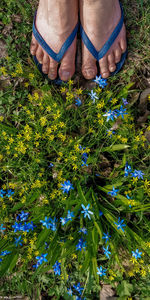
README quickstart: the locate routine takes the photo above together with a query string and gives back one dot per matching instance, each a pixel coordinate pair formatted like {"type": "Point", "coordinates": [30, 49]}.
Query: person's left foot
{"type": "Point", "coordinates": [99, 18]}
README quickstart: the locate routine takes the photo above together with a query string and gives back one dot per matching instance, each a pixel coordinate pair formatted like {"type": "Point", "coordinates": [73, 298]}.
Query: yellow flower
{"type": "Point", "coordinates": [26, 84]}
{"type": "Point", "coordinates": [31, 76]}
{"type": "Point", "coordinates": [111, 278]}
{"type": "Point", "coordinates": [43, 121]}
{"type": "Point", "coordinates": [70, 238]}
{"type": "Point", "coordinates": [143, 138]}
{"type": "Point", "coordinates": [133, 260]}
{"type": "Point", "coordinates": [134, 180]}
{"type": "Point", "coordinates": [63, 90]}
{"type": "Point", "coordinates": [130, 273]}
{"type": "Point", "coordinates": [70, 82]}
{"type": "Point", "coordinates": [3, 71]}
{"type": "Point", "coordinates": [143, 272]}
{"type": "Point", "coordinates": [1, 118]}
{"type": "Point", "coordinates": [1, 156]}
{"type": "Point", "coordinates": [36, 253]}
{"type": "Point", "coordinates": [148, 128]}
{"type": "Point", "coordinates": [98, 90]}
{"type": "Point", "coordinates": [19, 69]}
{"type": "Point", "coordinates": [13, 74]}
{"type": "Point", "coordinates": [11, 140]}
{"type": "Point", "coordinates": [114, 101]}
{"type": "Point", "coordinates": [74, 166]}
{"type": "Point", "coordinates": [79, 91]}
{"type": "Point", "coordinates": [124, 140]}
{"type": "Point", "coordinates": [101, 121]}
{"type": "Point", "coordinates": [74, 256]}
{"type": "Point", "coordinates": [148, 244]}
{"type": "Point", "coordinates": [100, 104]}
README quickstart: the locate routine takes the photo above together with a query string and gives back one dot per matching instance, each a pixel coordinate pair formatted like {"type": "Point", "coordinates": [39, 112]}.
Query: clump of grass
{"type": "Point", "coordinates": [74, 185]}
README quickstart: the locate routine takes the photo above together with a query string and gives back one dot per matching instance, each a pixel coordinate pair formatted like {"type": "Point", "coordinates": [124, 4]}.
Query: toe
{"type": "Point", "coordinates": [89, 68]}
{"type": "Point", "coordinates": [46, 63]}
{"type": "Point", "coordinates": [67, 67]}
{"type": "Point", "coordinates": [118, 53]}
{"type": "Point", "coordinates": [52, 74]}
{"type": "Point", "coordinates": [39, 54]}
{"type": "Point", "coordinates": [34, 45]}
{"type": "Point", "coordinates": [111, 62]}
{"type": "Point", "coordinates": [123, 45]}
{"type": "Point", "coordinates": [104, 69]}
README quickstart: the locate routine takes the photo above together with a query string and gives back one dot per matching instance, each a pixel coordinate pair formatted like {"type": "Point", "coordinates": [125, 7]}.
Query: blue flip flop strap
{"type": "Point", "coordinates": [56, 56]}
{"type": "Point", "coordinates": [100, 54]}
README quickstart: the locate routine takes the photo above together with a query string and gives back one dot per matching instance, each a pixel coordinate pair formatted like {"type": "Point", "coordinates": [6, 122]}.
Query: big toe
{"type": "Point", "coordinates": [67, 67]}
{"type": "Point", "coordinates": [89, 69]}
{"type": "Point", "coordinates": [34, 45]}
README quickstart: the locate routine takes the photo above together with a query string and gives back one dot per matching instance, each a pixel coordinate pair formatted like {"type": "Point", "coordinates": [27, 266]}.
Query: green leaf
{"type": "Point", "coordinates": [124, 289]}
{"type": "Point", "coordinates": [94, 265]}
{"type": "Point", "coordinates": [80, 192]}
{"type": "Point", "coordinates": [43, 236]}
{"type": "Point", "coordinates": [113, 148]}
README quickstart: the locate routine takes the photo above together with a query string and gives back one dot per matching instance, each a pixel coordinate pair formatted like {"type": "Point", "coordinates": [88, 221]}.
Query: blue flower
{"type": "Point", "coordinates": [2, 193]}
{"type": "Point", "coordinates": [125, 102]}
{"type": "Point", "coordinates": [22, 216]}
{"type": "Point", "coordinates": [100, 81]}
{"type": "Point", "coordinates": [51, 165]}
{"type": "Point", "coordinates": [4, 253]}
{"type": "Point", "coordinates": [100, 213]}
{"type": "Point", "coordinates": [81, 245]}
{"type": "Point", "coordinates": [17, 226]}
{"type": "Point", "coordinates": [2, 228]}
{"type": "Point", "coordinates": [46, 245]}
{"type": "Point", "coordinates": [70, 215]}
{"type": "Point", "coordinates": [110, 115]}
{"type": "Point", "coordinates": [121, 112]}
{"type": "Point", "coordinates": [86, 211]}
{"type": "Point", "coordinates": [106, 236]}
{"type": "Point", "coordinates": [46, 223]}
{"type": "Point", "coordinates": [106, 252]}
{"type": "Point", "coordinates": [69, 291]}
{"type": "Point", "coordinates": [27, 226]}
{"type": "Point", "coordinates": [137, 173]}
{"type": "Point", "coordinates": [63, 221]}
{"type": "Point", "coordinates": [40, 260]}
{"type": "Point", "coordinates": [53, 224]}
{"type": "Point", "coordinates": [78, 102]}
{"type": "Point", "coordinates": [120, 224]}
{"type": "Point", "coordinates": [101, 272]}
{"type": "Point", "coordinates": [9, 193]}
{"type": "Point", "coordinates": [113, 193]}
{"type": "Point", "coordinates": [78, 288]}
{"type": "Point", "coordinates": [80, 147]}
{"type": "Point", "coordinates": [83, 230]}
{"type": "Point", "coordinates": [136, 254]}
{"type": "Point", "coordinates": [127, 170]}
{"type": "Point", "coordinates": [18, 241]}
{"type": "Point", "coordinates": [93, 96]}
{"type": "Point", "coordinates": [67, 186]}
{"type": "Point", "coordinates": [56, 268]}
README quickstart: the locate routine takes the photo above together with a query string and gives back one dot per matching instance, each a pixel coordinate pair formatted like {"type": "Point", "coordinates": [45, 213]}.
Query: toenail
{"type": "Point", "coordinates": [90, 73]}
{"type": "Point", "coordinates": [105, 74]}
{"type": "Point", "coordinates": [112, 69]}
{"type": "Point", "coordinates": [65, 74]}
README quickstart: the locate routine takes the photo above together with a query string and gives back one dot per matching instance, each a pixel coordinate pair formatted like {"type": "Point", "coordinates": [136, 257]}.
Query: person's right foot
{"type": "Point", "coordinates": [55, 21]}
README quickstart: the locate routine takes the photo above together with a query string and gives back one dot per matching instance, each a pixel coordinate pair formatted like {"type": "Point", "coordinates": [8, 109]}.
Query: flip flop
{"type": "Point", "coordinates": [56, 56]}
{"type": "Point", "coordinates": [100, 54]}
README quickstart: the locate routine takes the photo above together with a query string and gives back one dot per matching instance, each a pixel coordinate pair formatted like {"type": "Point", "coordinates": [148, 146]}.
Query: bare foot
{"type": "Point", "coordinates": [55, 21]}
{"type": "Point", "coordinates": [99, 18]}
